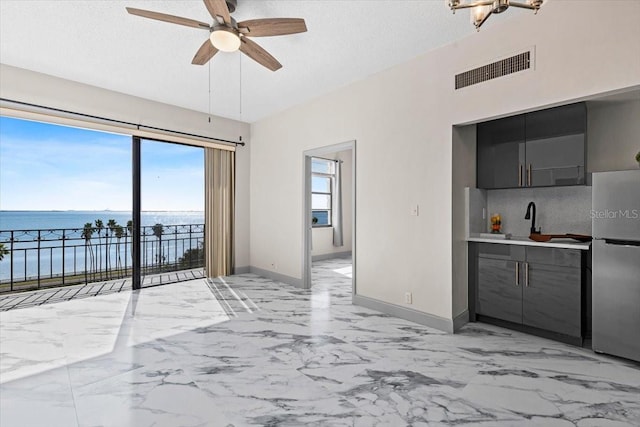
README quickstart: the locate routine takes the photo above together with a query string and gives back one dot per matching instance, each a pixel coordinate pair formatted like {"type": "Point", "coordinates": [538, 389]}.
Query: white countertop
{"type": "Point", "coordinates": [525, 241]}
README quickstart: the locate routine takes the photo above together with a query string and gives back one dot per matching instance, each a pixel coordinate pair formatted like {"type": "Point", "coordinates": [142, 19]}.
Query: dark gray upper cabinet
{"type": "Point", "coordinates": [501, 152]}
{"type": "Point", "coordinates": [556, 122]}
{"type": "Point", "coordinates": [539, 149]}
{"type": "Point", "coordinates": [555, 146]}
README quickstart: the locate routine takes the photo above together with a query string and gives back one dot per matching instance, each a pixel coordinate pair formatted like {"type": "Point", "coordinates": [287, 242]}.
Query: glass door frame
{"type": "Point", "coordinates": [136, 205]}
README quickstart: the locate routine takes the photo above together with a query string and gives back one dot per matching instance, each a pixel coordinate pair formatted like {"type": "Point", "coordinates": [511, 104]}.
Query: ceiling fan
{"type": "Point", "coordinates": [227, 35]}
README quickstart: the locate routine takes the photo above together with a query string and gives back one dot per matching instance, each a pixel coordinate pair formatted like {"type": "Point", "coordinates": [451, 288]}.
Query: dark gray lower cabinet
{"type": "Point", "coordinates": [551, 299]}
{"type": "Point", "coordinates": [499, 296]}
{"type": "Point", "coordinates": [531, 286]}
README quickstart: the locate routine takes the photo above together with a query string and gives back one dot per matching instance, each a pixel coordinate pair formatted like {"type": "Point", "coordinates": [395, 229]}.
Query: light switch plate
{"type": "Point", "coordinates": [415, 210]}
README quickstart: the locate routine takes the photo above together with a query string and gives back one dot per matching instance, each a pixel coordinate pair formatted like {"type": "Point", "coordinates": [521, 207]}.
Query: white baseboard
{"type": "Point", "coordinates": [436, 322]}
{"type": "Point", "coordinates": [322, 257]}
{"type": "Point", "coordinates": [460, 320]}
{"type": "Point", "coordinates": [430, 320]}
{"type": "Point", "coordinates": [242, 270]}
{"type": "Point", "coordinates": [276, 277]}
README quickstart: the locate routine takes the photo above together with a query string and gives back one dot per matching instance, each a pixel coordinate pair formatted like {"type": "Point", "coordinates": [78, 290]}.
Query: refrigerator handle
{"type": "Point", "coordinates": [630, 243]}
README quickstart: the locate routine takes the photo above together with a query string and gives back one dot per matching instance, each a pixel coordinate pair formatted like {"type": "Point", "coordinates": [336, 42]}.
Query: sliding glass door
{"type": "Point", "coordinates": [172, 212]}
{"type": "Point", "coordinates": [78, 205]}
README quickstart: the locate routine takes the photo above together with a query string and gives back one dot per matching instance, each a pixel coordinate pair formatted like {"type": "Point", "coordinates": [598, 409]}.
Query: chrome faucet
{"type": "Point", "coordinates": [533, 219]}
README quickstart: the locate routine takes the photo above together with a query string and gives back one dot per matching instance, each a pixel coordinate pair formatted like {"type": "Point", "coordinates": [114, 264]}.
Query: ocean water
{"type": "Point", "coordinates": [40, 220]}
{"type": "Point", "coordinates": [51, 255]}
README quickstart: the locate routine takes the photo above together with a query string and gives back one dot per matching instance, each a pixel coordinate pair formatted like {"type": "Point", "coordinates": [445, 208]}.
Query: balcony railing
{"type": "Point", "coordinates": [68, 256]}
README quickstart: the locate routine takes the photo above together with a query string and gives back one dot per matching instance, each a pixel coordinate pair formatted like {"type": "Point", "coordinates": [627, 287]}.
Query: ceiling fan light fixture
{"type": "Point", "coordinates": [482, 9]}
{"type": "Point", "coordinates": [479, 14]}
{"type": "Point", "coordinates": [227, 35]}
{"type": "Point", "coordinates": [225, 39]}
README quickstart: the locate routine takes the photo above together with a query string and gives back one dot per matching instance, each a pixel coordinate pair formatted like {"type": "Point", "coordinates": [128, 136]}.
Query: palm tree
{"type": "Point", "coordinates": [129, 232]}
{"type": "Point", "coordinates": [111, 224]}
{"type": "Point", "coordinates": [87, 232]}
{"type": "Point", "coordinates": [158, 230]}
{"type": "Point", "coordinates": [99, 228]}
{"type": "Point", "coordinates": [119, 232]}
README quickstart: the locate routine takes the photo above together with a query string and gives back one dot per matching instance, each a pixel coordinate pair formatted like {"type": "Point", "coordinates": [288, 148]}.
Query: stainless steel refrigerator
{"type": "Point", "coordinates": [616, 263]}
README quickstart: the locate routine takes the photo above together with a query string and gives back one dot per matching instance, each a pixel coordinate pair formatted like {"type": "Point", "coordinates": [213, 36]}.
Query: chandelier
{"type": "Point", "coordinates": [482, 9]}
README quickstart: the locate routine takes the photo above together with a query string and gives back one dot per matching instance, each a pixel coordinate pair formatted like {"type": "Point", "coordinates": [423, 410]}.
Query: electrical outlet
{"type": "Point", "coordinates": [274, 266]}
{"type": "Point", "coordinates": [408, 298]}
{"type": "Point", "coordinates": [415, 210]}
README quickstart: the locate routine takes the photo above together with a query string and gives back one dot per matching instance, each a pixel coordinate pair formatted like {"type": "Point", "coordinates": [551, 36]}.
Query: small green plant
{"type": "Point", "coordinates": [3, 251]}
{"type": "Point", "coordinates": [192, 257]}
{"type": "Point", "coordinates": [638, 157]}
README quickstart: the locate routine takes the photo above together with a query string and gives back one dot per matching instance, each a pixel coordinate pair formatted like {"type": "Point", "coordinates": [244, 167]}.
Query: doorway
{"type": "Point", "coordinates": [328, 207]}
{"type": "Point", "coordinates": [172, 220]}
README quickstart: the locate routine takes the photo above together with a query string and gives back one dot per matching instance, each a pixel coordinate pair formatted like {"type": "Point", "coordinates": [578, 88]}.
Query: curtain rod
{"type": "Point", "coordinates": [322, 158]}
{"type": "Point", "coordinates": [121, 122]}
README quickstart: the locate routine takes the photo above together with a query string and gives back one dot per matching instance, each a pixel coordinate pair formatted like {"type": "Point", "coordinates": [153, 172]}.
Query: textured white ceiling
{"type": "Point", "coordinates": [98, 43]}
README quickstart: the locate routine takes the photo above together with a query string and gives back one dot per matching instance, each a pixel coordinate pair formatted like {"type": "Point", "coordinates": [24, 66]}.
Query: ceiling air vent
{"type": "Point", "coordinates": [506, 66]}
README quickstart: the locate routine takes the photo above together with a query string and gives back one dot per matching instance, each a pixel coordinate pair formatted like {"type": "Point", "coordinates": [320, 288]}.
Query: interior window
{"type": "Point", "coordinates": [322, 175]}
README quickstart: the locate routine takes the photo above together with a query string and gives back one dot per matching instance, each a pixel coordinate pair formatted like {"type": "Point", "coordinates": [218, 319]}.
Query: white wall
{"type": "Point", "coordinates": [36, 88]}
{"type": "Point", "coordinates": [402, 120]}
{"type": "Point", "coordinates": [613, 135]}
{"type": "Point", "coordinates": [463, 176]}
{"type": "Point", "coordinates": [322, 237]}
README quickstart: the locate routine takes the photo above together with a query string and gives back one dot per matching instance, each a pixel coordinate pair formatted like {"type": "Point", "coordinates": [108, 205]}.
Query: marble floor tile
{"type": "Point", "coordinates": [246, 351]}
{"type": "Point", "coordinates": [45, 399]}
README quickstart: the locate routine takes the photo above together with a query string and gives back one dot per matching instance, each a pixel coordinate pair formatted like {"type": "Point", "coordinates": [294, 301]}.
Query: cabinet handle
{"type": "Point", "coordinates": [520, 175]}
{"type": "Point", "coordinates": [517, 274]}
{"type": "Point", "coordinates": [526, 274]}
{"type": "Point", "coordinates": [529, 175]}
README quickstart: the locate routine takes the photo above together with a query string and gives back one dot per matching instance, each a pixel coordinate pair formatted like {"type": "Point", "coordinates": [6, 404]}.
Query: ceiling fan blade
{"type": "Point", "coordinates": [258, 54]}
{"type": "Point", "coordinates": [205, 53]}
{"type": "Point", "coordinates": [272, 27]}
{"type": "Point", "coordinates": [168, 18]}
{"type": "Point", "coordinates": [218, 8]}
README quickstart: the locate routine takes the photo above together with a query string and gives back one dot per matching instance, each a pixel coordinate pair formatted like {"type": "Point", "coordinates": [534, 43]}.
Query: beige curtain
{"type": "Point", "coordinates": [219, 209]}
{"type": "Point", "coordinates": [336, 205]}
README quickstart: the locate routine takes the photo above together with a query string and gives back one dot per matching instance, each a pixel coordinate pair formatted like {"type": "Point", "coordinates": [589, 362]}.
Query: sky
{"type": "Point", "coordinates": [52, 167]}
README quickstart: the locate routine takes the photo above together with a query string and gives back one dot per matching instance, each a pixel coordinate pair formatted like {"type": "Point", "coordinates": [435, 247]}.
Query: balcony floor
{"type": "Point", "coordinates": [51, 295]}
